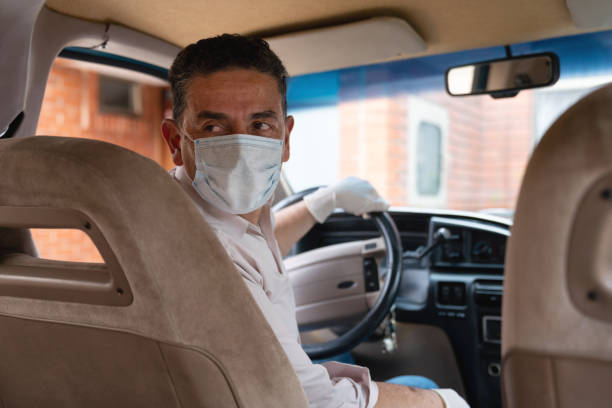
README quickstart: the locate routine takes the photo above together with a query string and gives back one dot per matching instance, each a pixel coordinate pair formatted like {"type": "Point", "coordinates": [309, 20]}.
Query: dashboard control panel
{"type": "Point", "coordinates": [488, 294]}
{"type": "Point", "coordinates": [451, 294]}
{"type": "Point", "coordinates": [491, 329]}
{"type": "Point", "coordinates": [370, 275]}
{"type": "Point", "coordinates": [471, 246]}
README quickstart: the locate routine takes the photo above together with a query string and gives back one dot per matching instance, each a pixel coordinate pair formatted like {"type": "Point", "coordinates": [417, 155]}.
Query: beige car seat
{"type": "Point", "coordinates": [557, 305]}
{"type": "Point", "coordinates": [166, 321]}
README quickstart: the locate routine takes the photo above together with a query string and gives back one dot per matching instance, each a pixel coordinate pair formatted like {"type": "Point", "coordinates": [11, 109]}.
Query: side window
{"type": "Point", "coordinates": [427, 134]}
{"type": "Point", "coordinates": [110, 104]}
{"type": "Point", "coordinates": [115, 105]}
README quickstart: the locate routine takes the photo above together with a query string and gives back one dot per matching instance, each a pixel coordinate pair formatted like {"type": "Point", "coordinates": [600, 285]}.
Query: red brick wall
{"type": "Point", "coordinates": [70, 108]}
{"type": "Point", "coordinates": [65, 245]}
{"type": "Point", "coordinates": [508, 138]}
{"type": "Point", "coordinates": [397, 152]}
{"type": "Point", "coordinates": [464, 147]}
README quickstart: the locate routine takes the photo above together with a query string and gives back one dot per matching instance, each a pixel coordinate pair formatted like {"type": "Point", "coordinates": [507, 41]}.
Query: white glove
{"type": "Point", "coordinates": [353, 195]}
{"type": "Point", "coordinates": [451, 398]}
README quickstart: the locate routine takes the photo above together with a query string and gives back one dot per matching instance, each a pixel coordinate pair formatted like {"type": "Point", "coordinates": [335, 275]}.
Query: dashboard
{"type": "Point", "coordinates": [458, 286]}
{"type": "Point", "coordinates": [472, 245]}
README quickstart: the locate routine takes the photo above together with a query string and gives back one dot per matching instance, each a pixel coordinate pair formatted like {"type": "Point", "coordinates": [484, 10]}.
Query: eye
{"type": "Point", "coordinates": [212, 128]}
{"type": "Point", "coordinates": [261, 126]}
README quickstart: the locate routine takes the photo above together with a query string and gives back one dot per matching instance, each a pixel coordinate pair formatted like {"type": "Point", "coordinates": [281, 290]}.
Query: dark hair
{"type": "Point", "coordinates": [215, 54]}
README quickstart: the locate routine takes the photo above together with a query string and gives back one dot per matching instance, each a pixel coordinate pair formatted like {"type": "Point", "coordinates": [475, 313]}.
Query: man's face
{"type": "Point", "coordinates": [236, 101]}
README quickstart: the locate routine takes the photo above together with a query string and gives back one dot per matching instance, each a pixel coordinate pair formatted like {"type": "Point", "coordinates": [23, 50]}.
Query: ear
{"type": "Point", "coordinates": [172, 136]}
{"type": "Point", "coordinates": [289, 122]}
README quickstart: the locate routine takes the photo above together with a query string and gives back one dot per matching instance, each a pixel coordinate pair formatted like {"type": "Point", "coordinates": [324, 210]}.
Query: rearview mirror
{"type": "Point", "coordinates": [503, 77]}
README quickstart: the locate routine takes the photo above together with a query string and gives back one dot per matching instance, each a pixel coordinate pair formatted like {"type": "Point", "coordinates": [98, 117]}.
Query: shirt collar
{"type": "Point", "coordinates": [231, 223]}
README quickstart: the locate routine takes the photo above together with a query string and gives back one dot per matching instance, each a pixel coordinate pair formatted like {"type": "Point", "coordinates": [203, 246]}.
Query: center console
{"type": "Point", "coordinates": [464, 299]}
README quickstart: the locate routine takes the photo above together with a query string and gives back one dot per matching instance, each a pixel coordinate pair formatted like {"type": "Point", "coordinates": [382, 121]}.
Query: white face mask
{"type": "Point", "coordinates": [237, 173]}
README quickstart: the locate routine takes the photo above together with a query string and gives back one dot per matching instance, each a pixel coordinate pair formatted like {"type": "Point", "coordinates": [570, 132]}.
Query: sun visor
{"type": "Point", "coordinates": [591, 14]}
{"type": "Point", "coordinates": [364, 42]}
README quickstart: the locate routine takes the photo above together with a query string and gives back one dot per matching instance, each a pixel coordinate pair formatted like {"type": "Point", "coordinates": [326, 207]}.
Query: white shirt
{"type": "Point", "coordinates": [257, 257]}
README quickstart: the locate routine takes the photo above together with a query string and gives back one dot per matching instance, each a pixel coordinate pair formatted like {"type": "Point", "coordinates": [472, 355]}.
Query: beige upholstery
{"type": "Point", "coordinates": [190, 336]}
{"type": "Point", "coordinates": [557, 306]}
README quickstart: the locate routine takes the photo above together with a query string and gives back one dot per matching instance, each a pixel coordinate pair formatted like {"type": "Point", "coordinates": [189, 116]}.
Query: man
{"type": "Point", "coordinates": [229, 137]}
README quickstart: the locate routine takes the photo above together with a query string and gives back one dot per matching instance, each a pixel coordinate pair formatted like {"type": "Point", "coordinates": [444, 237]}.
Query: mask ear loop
{"type": "Point", "coordinates": [182, 133]}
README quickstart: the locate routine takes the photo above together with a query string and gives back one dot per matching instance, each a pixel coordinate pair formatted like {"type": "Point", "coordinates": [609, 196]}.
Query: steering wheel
{"type": "Point", "coordinates": [336, 281]}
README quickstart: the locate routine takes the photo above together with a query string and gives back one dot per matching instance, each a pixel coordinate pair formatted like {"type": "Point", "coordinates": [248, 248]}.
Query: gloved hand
{"type": "Point", "coordinates": [451, 398]}
{"type": "Point", "coordinates": [353, 195]}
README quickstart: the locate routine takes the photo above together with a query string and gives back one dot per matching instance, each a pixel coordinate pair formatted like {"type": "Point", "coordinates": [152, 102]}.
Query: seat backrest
{"type": "Point", "coordinates": [166, 321]}
{"type": "Point", "coordinates": [557, 305]}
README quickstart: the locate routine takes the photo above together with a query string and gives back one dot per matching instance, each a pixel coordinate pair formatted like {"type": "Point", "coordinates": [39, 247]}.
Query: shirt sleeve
{"type": "Point", "coordinates": [325, 385]}
{"type": "Point", "coordinates": [332, 384]}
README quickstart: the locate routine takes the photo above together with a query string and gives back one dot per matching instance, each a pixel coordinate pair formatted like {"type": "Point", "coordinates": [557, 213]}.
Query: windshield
{"type": "Point", "coordinates": [394, 125]}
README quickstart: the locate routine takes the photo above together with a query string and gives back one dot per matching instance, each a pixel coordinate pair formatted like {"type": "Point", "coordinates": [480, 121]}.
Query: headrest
{"type": "Point", "coordinates": [559, 263]}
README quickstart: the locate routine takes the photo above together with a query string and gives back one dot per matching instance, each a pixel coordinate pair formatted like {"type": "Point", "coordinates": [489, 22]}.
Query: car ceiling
{"type": "Point", "coordinates": [445, 26]}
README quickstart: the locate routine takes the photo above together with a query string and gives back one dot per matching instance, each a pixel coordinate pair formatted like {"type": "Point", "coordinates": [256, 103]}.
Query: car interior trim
{"type": "Point", "coordinates": [361, 42]}
{"type": "Point", "coordinates": [443, 221]}
{"type": "Point", "coordinates": [54, 32]}
{"type": "Point", "coordinates": [490, 23]}
{"type": "Point", "coordinates": [588, 252]}
{"type": "Point", "coordinates": [454, 213]}
{"type": "Point", "coordinates": [17, 19]}
{"type": "Point", "coordinates": [590, 14]}
{"type": "Point", "coordinates": [98, 57]}
{"type": "Point", "coordinates": [24, 275]}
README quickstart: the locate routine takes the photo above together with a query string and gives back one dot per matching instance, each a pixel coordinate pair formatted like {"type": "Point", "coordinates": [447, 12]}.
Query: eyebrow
{"type": "Point", "coordinates": [211, 115]}
{"type": "Point", "coordinates": [264, 114]}
{"type": "Point", "coordinates": [205, 114]}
